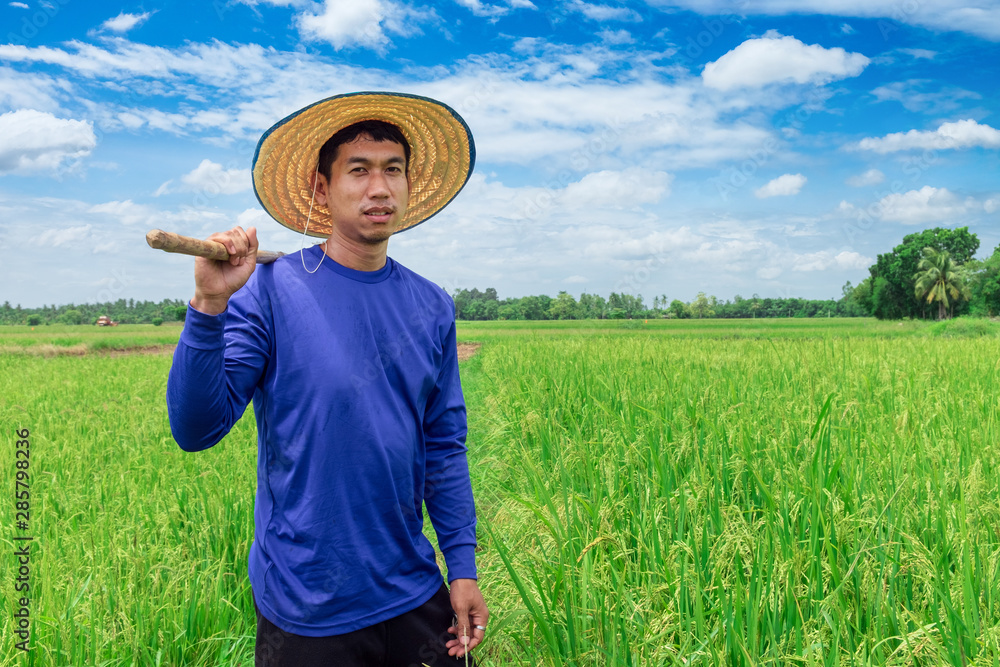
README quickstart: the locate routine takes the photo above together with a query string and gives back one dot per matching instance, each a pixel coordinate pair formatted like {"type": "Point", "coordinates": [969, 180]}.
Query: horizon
{"type": "Point", "coordinates": [661, 147]}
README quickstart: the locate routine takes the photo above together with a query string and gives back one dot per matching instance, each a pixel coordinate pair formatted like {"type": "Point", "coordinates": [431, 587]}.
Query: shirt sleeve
{"type": "Point", "coordinates": [447, 487]}
{"type": "Point", "coordinates": [217, 364]}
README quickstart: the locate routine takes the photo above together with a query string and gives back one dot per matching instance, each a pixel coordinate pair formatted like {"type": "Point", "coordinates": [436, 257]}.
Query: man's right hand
{"type": "Point", "coordinates": [215, 282]}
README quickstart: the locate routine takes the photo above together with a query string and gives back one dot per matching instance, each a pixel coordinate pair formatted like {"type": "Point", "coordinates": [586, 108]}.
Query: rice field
{"type": "Point", "coordinates": [670, 493]}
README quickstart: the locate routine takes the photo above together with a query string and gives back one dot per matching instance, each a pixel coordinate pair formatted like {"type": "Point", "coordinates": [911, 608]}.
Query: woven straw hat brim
{"type": "Point", "coordinates": [442, 155]}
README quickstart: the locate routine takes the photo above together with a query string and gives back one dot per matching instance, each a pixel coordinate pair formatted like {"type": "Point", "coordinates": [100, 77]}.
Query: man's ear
{"type": "Point", "coordinates": [319, 186]}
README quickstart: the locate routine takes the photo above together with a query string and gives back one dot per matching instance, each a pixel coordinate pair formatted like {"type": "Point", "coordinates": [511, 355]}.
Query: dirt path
{"type": "Point", "coordinates": [466, 350]}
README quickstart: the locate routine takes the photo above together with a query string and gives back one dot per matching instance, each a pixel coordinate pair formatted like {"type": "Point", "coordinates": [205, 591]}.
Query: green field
{"type": "Point", "coordinates": [714, 492]}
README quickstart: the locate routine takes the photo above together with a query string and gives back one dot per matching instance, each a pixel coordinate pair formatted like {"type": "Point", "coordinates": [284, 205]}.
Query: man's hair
{"type": "Point", "coordinates": [378, 130]}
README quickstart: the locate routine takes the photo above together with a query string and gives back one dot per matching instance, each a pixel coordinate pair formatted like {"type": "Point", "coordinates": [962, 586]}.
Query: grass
{"type": "Point", "coordinates": [76, 340]}
{"type": "Point", "coordinates": [676, 494]}
{"type": "Point", "coordinates": [966, 326]}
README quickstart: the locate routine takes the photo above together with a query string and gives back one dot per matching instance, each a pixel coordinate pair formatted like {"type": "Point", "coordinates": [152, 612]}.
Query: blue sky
{"type": "Point", "coordinates": [659, 147]}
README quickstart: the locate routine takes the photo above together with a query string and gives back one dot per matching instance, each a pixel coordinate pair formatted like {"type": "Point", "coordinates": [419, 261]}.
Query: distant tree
{"type": "Point", "coordinates": [34, 320]}
{"type": "Point", "coordinates": [990, 293]}
{"type": "Point", "coordinates": [939, 279]}
{"type": "Point", "coordinates": [633, 305]}
{"type": "Point", "coordinates": [984, 282]}
{"type": "Point", "coordinates": [564, 307]}
{"type": "Point", "coordinates": [887, 304]}
{"type": "Point", "coordinates": [862, 296]}
{"type": "Point", "coordinates": [475, 305]}
{"type": "Point", "coordinates": [157, 321]}
{"type": "Point", "coordinates": [510, 309]}
{"type": "Point", "coordinates": [679, 309]}
{"type": "Point", "coordinates": [893, 282]}
{"type": "Point", "coordinates": [616, 306]}
{"type": "Point", "coordinates": [592, 306]}
{"type": "Point", "coordinates": [702, 306]}
{"type": "Point", "coordinates": [72, 316]}
{"type": "Point", "coordinates": [535, 307]}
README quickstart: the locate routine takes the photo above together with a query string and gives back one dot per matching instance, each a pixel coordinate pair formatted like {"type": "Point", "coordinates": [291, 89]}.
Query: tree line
{"type": "Point", "coordinates": [476, 305]}
{"type": "Point", "coordinates": [123, 311]}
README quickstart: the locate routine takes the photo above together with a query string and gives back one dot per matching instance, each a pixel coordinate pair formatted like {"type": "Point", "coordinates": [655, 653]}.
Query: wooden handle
{"type": "Point", "coordinates": [186, 245]}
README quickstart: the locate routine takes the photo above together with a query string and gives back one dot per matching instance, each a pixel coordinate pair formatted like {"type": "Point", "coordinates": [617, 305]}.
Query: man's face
{"type": "Point", "coordinates": [367, 190]}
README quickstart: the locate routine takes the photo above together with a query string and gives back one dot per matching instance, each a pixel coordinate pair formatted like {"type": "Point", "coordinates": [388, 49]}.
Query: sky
{"type": "Point", "coordinates": [657, 147]}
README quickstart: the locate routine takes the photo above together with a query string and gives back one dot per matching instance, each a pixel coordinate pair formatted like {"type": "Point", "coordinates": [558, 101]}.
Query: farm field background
{"type": "Point", "coordinates": [707, 492]}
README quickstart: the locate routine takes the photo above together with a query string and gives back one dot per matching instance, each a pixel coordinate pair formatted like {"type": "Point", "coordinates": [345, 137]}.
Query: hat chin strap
{"type": "Point", "coordinates": [302, 255]}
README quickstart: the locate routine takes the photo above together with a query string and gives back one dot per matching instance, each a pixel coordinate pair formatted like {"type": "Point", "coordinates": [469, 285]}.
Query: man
{"type": "Point", "coordinates": [351, 362]}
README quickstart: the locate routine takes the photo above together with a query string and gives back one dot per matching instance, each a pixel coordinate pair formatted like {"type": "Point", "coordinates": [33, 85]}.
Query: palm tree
{"type": "Point", "coordinates": [938, 278]}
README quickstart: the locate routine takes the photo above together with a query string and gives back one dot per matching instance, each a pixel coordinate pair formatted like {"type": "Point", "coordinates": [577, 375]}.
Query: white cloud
{"type": "Point", "coordinates": [37, 140]}
{"type": "Point", "coordinates": [615, 36]}
{"type": "Point", "coordinates": [769, 272]}
{"type": "Point", "coordinates": [360, 23]}
{"type": "Point", "coordinates": [846, 260]}
{"type": "Point", "coordinates": [479, 8]}
{"type": "Point", "coordinates": [961, 134]}
{"type": "Point", "coordinates": [125, 22]}
{"type": "Point", "coordinates": [920, 53]}
{"type": "Point", "coordinates": [29, 91]}
{"type": "Point", "coordinates": [604, 13]}
{"type": "Point", "coordinates": [558, 102]}
{"type": "Point", "coordinates": [19, 5]}
{"type": "Point", "coordinates": [213, 179]}
{"type": "Point", "coordinates": [978, 17]}
{"type": "Point", "coordinates": [54, 238]}
{"type": "Point", "coordinates": [608, 242]}
{"type": "Point", "coordinates": [617, 189]}
{"type": "Point", "coordinates": [209, 179]}
{"type": "Point", "coordinates": [925, 96]}
{"type": "Point", "coordinates": [782, 186]}
{"type": "Point", "coordinates": [774, 58]}
{"type": "Point", "coordinates": [253, 217]}
{"type": "Point", "coordinates": [870, 177]}
{"type": "Point", "coordinates": [126, 212]}
{"type": "Point", "coordinates": [273, 3]}
{"type": "Point", "coordinates": [215, 64]}
{"type": "Point", "coordinates": [926, 205]}
{"type": "Point", "coordinates": [847, 29]}
{"type": "Point", "coordinates": [165, 188]}
{"type": "Point", "coordinates": [575, 280]}
{"type": "Point", "coordinates": [191, 220]}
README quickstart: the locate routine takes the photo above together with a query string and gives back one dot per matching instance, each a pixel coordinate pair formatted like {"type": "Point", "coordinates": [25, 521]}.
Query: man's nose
{"type": "Point", "coordinates": [378, 185]}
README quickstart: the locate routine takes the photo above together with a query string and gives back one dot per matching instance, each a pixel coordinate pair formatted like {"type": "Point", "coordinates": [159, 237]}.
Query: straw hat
{"type": "Point", "coordinates": [442, 155]}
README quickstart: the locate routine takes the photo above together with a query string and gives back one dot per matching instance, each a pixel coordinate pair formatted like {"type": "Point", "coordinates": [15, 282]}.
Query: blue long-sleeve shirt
{"type": "Point", "coordinates": [360, 421]}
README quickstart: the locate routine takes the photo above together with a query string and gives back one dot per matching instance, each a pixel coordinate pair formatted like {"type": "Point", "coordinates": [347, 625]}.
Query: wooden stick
{"type": "Point", "coordinates": [186, 245]}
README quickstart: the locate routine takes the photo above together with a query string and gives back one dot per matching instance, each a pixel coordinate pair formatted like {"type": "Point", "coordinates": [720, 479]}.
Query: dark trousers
{"type": "Point", "coordinates": [412, 639]}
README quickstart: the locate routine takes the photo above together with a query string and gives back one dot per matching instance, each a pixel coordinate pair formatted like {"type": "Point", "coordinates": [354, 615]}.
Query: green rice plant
{"type": "Point", "coordinates": [740, 502]}
{"type": "Point", "coordinates": [677, 494]}
{"type": "Point", "coordinates": [139, 551]}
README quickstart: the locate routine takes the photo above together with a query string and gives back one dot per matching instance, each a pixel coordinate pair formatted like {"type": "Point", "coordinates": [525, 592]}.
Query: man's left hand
{"type": "Point", "coordinates": [470, 608]}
